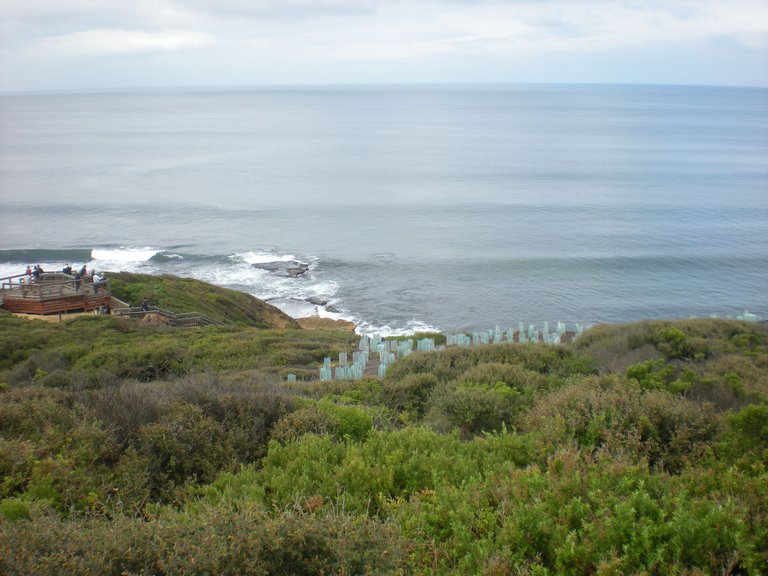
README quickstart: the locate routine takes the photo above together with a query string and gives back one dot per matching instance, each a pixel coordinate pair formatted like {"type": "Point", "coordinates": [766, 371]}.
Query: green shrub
{"type": "Point", "coordinates": [368, 392]}
{"type": "Point", "coordinates": [28, 412]}
{"type": "Point", "coordinates": [511, 375]}
{"type": "Point", "coordinates": [17, 457]}
{"type": "Point", "coordinates": [746, 441]}
{"type": "Point", "coordinates": [247, 541]}
{"type": "Point", "coordinates": [410, 394]}
{"type": "Point", "coordinates": [751, 426]}
{"type": "Point", "coordinates": [13, 509]}
{"type": "Point", "coordinates": [474, 409]}
{"type": "Point", "coordinates": [308, 420]}
{"type": "Point", "coordinates": [653, 374]}
{"type": "Point", "coordinates": [324, 418]}
{"type": "Point", "coordinates": [246, 410]}
{"type": "Point", "coordinates": [143, 361]}
{"type": "Point", "coordinates": [732, 380]}
{"type": "Point", "coordinates": [184, 447]}
{"type": "Point", "coordinates": [126, 407]}
{"type": "Point", "coordinates": [56, 379]}
{"type": "Point", "coordinates": [485, 398]}
{"type": "Point", "coordinates": [616, 347]}
{"type": "Point", "coordinates": [364, 477]}
{"type": "Point", "coordinates": [612, 414]}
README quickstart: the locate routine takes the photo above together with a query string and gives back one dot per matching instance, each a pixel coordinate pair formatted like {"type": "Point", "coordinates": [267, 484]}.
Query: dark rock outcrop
{"type": "Point", "coordinates": [289, 268]}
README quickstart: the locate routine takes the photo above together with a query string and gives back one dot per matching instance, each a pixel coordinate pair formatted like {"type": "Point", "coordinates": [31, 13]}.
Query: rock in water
{"type": "Point", "coordinates": [289, 268]}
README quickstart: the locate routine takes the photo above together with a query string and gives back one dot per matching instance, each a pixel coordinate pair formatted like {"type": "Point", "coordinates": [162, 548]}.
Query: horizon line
{"type": "Point", "coordinates": [358, 86]}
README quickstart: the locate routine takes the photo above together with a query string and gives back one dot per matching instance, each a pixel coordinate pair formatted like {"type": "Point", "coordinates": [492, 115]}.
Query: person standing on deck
{"type": "Point", "coordinates": [83, 276]}
{"type": "Point", "coordinates": [98, 280]}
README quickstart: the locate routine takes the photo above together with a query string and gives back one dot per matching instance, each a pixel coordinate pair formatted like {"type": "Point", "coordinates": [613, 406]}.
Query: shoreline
{"type": "Point", "coordinates": [303, 305]}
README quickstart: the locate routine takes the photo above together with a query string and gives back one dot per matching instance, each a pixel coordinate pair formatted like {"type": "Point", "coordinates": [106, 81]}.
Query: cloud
{"type": "Point", "coordinates": [478, 25]}
{"type": "Point", "coordinates": [413, 30]}
{"type": "Point", "coordinates": [111, 42]}
{"type": "Point", "coordinates": [299, 34]}
{"type": "Point", "coordinates": [299, 9]}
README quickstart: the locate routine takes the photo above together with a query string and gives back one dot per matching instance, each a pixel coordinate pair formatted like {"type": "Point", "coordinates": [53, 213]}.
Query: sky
{"type": "Point", "coordinates": [56, 45]}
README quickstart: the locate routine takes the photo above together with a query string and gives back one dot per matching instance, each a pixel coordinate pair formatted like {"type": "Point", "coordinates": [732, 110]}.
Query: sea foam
{"type": "Point", "coordinates": [123, 254]}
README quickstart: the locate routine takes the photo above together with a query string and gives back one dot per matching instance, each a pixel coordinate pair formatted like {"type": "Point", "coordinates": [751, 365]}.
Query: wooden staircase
{"type": "Point", "coordinates": [157, 315]}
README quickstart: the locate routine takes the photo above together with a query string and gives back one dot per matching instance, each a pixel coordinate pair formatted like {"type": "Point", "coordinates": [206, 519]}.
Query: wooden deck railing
{"type": "Point", "coordinates": [52, 292]}
{"type": "Point", "coordinates": [49, 285]}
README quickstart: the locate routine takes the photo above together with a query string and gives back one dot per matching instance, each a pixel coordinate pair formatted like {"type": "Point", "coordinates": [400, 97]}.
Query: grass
{"type": "Point", "coordinates": [181, 295]}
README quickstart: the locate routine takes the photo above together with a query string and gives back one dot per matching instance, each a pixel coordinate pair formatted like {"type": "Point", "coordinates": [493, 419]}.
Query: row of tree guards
{"type": "Point", "coordinates": [389, 351]}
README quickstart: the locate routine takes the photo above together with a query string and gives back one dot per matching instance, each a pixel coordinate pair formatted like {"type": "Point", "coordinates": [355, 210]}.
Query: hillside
{"type": "Point", "coordinates": [180, 295]}
{"type": "Point", "coordinates": [128, 448]}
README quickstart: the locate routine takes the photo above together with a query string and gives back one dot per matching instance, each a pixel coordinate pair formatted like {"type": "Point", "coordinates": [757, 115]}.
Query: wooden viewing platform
{"type": "Point", "coordinates": [53, 293]}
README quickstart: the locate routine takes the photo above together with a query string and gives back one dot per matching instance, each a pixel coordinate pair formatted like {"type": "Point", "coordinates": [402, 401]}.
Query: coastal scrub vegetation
{"type": "Point", "coordinates": [180, 295]}
{"type": "Point", "coordinates": [137, 449]}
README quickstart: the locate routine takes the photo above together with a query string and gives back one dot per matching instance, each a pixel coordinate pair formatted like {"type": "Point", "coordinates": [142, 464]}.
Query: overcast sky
{"type": "Point", "coordinates": [96, 44]}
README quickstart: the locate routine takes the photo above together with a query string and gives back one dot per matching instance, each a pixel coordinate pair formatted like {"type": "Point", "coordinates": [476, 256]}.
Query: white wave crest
{"type": "Point", "coordinates": [123, 259]}
{"type": "Point", "coordinates": [256, 257]}
{"type": "Point", "coordinates": [411, 327]}
{"type": "Point", "coordinates": [123, 254]}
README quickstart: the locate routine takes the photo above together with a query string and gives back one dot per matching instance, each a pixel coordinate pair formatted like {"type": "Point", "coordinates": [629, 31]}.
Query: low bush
{"type": "Point", "coordinates": [323, 418]}
{"type": "Point", "coordinates": [184, 447]}
{"type": "Point", "coordinates": [28, 412]}
{"type": "Point", "coordinates": [126, 407]}
{"type": "Point", "coordinates": [13, 509]}
{"type": "Point", "coordinates": [615, 347]}
{"type": "Point", "coordinates": [617, 416]}
{"type": "Point", "coordinates": [475, 409]}
{"type": "Point", "coordinates": [248, 541]}
{"type": "Point", "coordinates": [368, 392]}
{"type": "Point", "coordinates": [363, 477]}
{"type": "Point", "coordinates": [409, 394]}
{"type": "Point", "coordinates": [746, 440]}
{"type": "Point", "coordinates": [68, 470]}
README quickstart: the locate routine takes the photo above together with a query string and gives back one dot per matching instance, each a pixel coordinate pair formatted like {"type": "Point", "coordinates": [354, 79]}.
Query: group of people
{"type": "Point", "coordinates": [97, 279]}
{"type": "Point", "coordinates": [33, 275]}
{"type": "Point", "coordinates": [79, 275]}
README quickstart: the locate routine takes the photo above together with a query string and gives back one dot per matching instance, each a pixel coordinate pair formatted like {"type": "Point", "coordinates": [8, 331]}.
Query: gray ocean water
{"type": "Point", "coordinates": [415, 207]}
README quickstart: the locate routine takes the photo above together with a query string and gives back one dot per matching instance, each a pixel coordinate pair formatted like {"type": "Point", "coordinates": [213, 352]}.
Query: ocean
{"type": "Point", "coordinates": [412, 208]}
